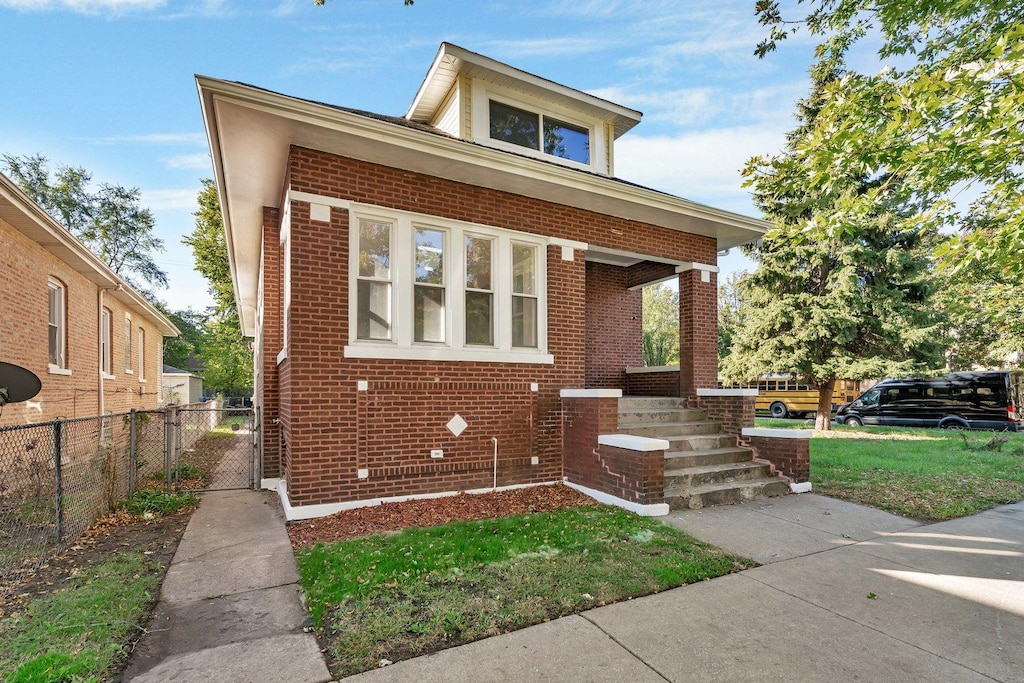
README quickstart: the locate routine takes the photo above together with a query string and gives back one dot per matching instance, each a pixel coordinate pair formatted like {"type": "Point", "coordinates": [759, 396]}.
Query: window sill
{"type": "Point", "coordinates": [447, 354]}
{"type": "Point", "coordinates": [57, 370]}
{"type": "Point", "coordinates": [106, 376]}
{"type": "Point", "coordinates": [282, 355]}
{"type": "Point", "coordinates": [142, 380]}
{"type": "Point", "coordinates": [129, 372]}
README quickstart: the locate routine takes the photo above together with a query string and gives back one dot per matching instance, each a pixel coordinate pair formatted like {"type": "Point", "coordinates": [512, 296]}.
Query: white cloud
{"type": "Point", "coordinates": [703, 166]}
{"type": "Point", "coordinates": [83, 6]}
{"type": "Point", "coordinates": [546, 47]}
{"type": "Point", "coordinates": [198, 162]}
{"type": "Point", "coordinates": [152, 138]}
{"type": "Point", "coordinates": [170, 199]}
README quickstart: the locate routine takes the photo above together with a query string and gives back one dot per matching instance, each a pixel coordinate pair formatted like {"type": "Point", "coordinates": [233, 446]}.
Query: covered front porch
{"type": "Point", "coordinates": [614, 324]}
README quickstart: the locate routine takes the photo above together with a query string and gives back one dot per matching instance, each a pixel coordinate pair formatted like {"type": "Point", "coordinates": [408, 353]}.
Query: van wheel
{"type": "Point", "coordinates": [779, 410]}
{"type": "Point", "coordinates": [953, 424]}
{"type": "Point", "coordinates": [853, 422]}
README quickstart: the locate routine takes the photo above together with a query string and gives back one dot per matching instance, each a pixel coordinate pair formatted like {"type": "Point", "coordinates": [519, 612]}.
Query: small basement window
{"type": "Point", "coordinates": [529, 129]}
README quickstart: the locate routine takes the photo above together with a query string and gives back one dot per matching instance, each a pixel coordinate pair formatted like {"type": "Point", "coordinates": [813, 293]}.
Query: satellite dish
{"type": "Point", "coordinates": [17, 384]}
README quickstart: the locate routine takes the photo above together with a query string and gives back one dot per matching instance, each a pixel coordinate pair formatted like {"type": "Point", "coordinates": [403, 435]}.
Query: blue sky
{"type": "Point", "coordinates": [108, 84]}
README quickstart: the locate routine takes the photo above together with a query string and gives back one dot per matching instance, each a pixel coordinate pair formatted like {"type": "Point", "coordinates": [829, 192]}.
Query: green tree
{"type": "Point", "coordinates": [730, 312]}
{"type": "Point", "coordinates": [226, 357]}
{"type": "Point", "coordinates": [947, 122]}
{"type": "Point", "coordinates": [660, 326]}
{"type": "Point", "coordinates": [110, 221]}
{"type": "Point", "coordinates": [826, 304]}
{"type": "Point", "coordinates": [183, 352]}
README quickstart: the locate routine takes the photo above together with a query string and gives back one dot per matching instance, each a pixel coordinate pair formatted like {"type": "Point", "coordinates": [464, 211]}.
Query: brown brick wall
{"type": "Point", "coordinates": [733, 412]}
{"type": "Point", "coordinates": [613, 326]}
{"type": "Point", "coordinates": [698, 332]}
{"type": "Point", "coordinates": [789, 457]}
{"type": "Point", "coordinates": [634, 476]}
{"type": "Point", "coordinates": [646, 272]}
{"type": "Point", "coordinates": [330, 430]}
{"type": "Point", "coordinates": [653, 383]}
{"type": "Point", "coordinates": [267, 381]}
{"type": "Point", "coordinates": [24, 271]}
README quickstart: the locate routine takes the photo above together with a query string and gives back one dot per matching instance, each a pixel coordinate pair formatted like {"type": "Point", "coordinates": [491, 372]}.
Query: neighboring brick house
{"type": "Point", "coordinates": [422, 288]}
{"type": "Point", "coordinates": [95, 343]}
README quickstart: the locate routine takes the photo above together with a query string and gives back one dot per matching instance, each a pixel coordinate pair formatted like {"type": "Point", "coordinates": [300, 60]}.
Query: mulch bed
{"type": "Point", "coordinates": [434, 511]}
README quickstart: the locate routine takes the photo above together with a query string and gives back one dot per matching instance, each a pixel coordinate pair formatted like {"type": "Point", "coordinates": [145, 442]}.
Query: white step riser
{"type": "Point", "coordinates": [633, 417]}
{"type": "Point", "coordinates": [641, 403]}
{"type": "Point", "coordinates": [679, 429]}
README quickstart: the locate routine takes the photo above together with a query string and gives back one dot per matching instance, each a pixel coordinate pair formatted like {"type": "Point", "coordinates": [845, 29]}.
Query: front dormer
{"type": "Point", "coordinates": [481, 100]}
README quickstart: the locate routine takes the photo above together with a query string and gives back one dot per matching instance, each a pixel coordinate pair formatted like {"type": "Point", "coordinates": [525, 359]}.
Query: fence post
{"type": "Point", "coordinates": [168, 445]}
{"type": "Point", "coordinates": [132, 444]}
{"type": "Point", "coordinates": [58, 431]}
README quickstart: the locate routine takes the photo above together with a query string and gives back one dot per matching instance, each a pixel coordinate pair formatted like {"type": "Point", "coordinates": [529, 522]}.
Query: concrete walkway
{"type": "Point", "coordinates": [846, 593]}
{"type": "Point", "coordinates": [229, 608]}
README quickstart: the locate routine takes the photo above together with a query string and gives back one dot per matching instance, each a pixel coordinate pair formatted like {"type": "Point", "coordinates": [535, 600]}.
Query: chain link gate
{"type": "Point", "coordinates": [212, 449]}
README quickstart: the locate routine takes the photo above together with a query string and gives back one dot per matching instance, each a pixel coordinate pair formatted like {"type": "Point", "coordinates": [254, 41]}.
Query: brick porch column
{"type": "Point", "coordinates": [698, 328]}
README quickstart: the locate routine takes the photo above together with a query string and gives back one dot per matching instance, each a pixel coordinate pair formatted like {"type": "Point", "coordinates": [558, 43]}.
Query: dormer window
{"type": "Point", "coordinates": [522, 128]}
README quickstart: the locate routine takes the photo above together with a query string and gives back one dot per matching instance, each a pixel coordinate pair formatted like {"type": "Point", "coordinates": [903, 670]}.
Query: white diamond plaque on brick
{"type": "Point", "coordinates": [456, 425]}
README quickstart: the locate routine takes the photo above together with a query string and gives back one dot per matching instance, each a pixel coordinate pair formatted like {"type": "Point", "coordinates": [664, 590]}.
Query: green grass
{"type": "Point", "coordinates": [76, 633]}
{"type": "Point", "coordinates": [922, 473]}
{"type": "Point", "coordinates": [157, 502]}
{"type": "Point", "coordinates": [225, 427]}
{"type": "Point", "coordinates": [394, 596]}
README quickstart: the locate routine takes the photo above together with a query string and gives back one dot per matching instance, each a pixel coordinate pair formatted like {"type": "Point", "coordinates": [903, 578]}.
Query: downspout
{"type": "Point", "coordinates": [495, 484]}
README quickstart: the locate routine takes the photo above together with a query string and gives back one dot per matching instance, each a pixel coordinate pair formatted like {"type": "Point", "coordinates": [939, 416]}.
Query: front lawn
{"type": "Point", "coordinates": [397, 595]}
{"type": "Point", "coordinates": [923, 473]}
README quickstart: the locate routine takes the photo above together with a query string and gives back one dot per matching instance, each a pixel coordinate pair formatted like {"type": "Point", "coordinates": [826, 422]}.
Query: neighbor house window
{"type": "Point", "coordinates": [106, 334]}
{"type": "Point", "coordinates": [479, 291]}
{"type": "Point", "coordinates": [543, 133]}
{"type": "Point", "coordinates": [142, 355]}
{"type": "Point", "coordinates": [374, 289]}
{"type": "Point", "coordinates": [429, 290]}
{"type": "Point", "coordinates": [58, 324]}
{"type": "Point", "coordinates": [463, 291]}
{"type": "Point", "coordinates": [127, 343]}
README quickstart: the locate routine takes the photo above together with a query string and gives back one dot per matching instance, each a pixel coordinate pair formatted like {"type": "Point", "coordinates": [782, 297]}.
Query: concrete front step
{"type": "Point", "coordinates": [628, 418]}
{"type": "Point", "coordinates": [631, 403]}
{"type": "Point", "coordinates": [672, 429]}
{"type": "Point", "coordinates": [699, 442]}
{"type": "Point", "coordinates": [677, 460]}
{"type": "Point", "coordinates": [727, 493]}
{"type": "Point", "coordinates": [690, 477]}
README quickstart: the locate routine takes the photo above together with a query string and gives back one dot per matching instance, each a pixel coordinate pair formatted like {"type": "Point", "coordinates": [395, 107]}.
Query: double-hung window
{"type": "Point", "coordinates": [142, 355]}
{"type": "Point", "coordinates": [106, 335]}
{"type": "Point", "coordinates": [373, 291]}
{"type": "Point", "coordinates": [57, 294]}
{"type": "Point", "coordinates": [425, 287]}
{"type": "Point", "coordinates": [128, 344]}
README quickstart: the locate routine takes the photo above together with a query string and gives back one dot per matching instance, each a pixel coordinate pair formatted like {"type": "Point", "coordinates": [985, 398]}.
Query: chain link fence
{"type": "Point", "coordinates": [57, 478]}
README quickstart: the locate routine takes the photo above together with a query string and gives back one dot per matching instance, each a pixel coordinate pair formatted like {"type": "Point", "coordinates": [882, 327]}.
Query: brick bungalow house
{"type": "Point", "coordinates": [429, 293]}
{"type": "Point", "coordinates": [95, 343]}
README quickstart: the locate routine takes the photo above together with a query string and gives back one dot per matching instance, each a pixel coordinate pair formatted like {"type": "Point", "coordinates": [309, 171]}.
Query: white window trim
{"type": "Point", "coordinates": [286, 279]}
{"type": "Point", "coordinates": [106, 343]}
{"type": "Point", "coordinates": [62, 328]}
{"type": "Point", "coordinates": [481, 125]}
{"type": "Point", "coordinates": [401, 345]}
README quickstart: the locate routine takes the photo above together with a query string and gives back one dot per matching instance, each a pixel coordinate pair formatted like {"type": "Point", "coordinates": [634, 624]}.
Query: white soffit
{"type": "Point", "coordinates": [251, 131]}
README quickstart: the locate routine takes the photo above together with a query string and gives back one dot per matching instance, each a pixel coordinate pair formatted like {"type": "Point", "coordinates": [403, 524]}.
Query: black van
{"type": "Point", "coordinates": [961, 400]}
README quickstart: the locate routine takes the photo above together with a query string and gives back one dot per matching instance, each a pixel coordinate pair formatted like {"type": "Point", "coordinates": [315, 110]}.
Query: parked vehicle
{"type": "Point", "coordinates": [960, 400]}
{"type": "Point", "coordinates": [784, 396]}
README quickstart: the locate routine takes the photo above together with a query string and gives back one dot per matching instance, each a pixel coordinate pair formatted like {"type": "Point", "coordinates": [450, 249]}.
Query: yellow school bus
{"type": "Point", "coordinates": [784, 396]}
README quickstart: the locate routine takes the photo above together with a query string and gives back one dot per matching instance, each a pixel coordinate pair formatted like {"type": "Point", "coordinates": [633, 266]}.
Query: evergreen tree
{"type": "Point", "coordinates": [827, 304]}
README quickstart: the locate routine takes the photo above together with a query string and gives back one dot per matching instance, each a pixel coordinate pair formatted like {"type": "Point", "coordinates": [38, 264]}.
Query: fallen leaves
{"type": "Point", "coordinates": [434, 511]}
